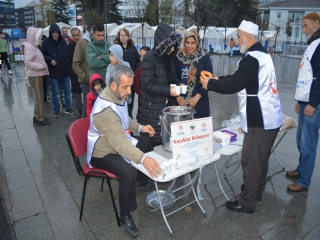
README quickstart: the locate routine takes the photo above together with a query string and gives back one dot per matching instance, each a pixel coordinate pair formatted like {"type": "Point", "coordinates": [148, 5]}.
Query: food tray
{"type": "Point", "coordinates": [232, 134]}
{"type": "Point", "coordinates": [153, 201]}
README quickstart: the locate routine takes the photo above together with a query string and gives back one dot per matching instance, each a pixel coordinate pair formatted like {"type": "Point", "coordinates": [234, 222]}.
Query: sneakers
{"type": "Point", "coordinates": [10, 72]}
{"type": "Point", "coordinates": [56, 114]}
{"type": "Point", "coordinates": [36, 122]}
{"type": "Point", "coordinates": [69, 111]}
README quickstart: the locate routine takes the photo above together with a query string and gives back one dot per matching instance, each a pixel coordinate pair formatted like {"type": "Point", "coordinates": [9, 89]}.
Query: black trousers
{"type": "Point", "coordinates": [256, 152]}
{"type": "Point", "coordinates": [126, 172]}
{"type": "Point", "coordinates": [4, 58]}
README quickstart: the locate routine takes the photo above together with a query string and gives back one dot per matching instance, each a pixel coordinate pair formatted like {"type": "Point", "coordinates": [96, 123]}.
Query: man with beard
{"type": "Point", "coordinates": [260, 112]}
{"type": "Point", "coordinates": [111, 146]}
{"type": "Point", "coordinates": [75, 85]}
{"type": "Point", "coordinates": [308, 107]}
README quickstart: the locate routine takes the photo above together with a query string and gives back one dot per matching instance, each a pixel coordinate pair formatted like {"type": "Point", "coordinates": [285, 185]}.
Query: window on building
{"type": "Point", "coordinates": [278, 15]}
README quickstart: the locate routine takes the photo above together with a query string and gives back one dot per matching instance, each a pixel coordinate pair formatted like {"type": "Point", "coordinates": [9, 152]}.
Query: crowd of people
{"type": "Point", "coordinates": [104, 79]}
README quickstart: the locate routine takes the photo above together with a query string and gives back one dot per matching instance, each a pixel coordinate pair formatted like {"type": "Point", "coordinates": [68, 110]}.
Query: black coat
{"type": "Point", "coordinates": [130, 54]}
{"type": "Point", "coordinates": [75, 85]}
{"type": "Point", "coordinates": [55, 50]}
{"type": "Point", "coordinates": [155, 88]}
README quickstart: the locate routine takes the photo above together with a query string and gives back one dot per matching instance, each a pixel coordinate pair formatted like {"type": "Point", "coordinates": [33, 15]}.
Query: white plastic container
{"type": "Point", "coordinates": [222, 138]}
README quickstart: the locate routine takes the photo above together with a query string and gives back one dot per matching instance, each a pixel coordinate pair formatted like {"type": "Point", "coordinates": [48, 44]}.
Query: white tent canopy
{"type": "Point", "coordinates": [110, 27]}
{"type": "Point", "coordinates": [219, 32]}
{"type": "Point", "coordinates": [135, 30]}
{"type": "Point", "coordinates": [45, 31]}
{"type": "Point", "coordinates": [269, 33]}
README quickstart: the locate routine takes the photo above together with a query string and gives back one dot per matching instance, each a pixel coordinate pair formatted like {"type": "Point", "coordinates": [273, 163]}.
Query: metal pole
{"type": "Point", "coordinates": [105, 12]}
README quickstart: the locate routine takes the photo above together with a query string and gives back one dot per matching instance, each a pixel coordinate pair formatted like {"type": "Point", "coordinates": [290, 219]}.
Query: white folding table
{"type": "Point", "coordinates": [172, 176]}
{"type": "Point", "coordinates": [232, 151]}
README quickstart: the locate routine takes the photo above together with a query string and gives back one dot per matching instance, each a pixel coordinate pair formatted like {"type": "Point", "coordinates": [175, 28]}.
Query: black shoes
{"type": "Point", "coordinates": [147, 185]}
{"type": "Point", "coordinates": [235, 206]}
{"type": "Point", "coordinates": [129, 227]}
{"type": "Point", "coordinates": [36, 122]}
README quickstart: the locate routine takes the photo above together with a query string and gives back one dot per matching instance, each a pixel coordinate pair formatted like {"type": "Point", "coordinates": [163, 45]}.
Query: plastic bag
{"type": "Point", "coordinates": [288, 122]}
{"type": "Point", "coordinates": [233, 124]}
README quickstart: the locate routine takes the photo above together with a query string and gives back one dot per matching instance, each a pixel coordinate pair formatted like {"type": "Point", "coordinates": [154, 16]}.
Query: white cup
{"type": "Point", "coordinates": [177, 89]}
{"type": "Point", "coordinates": [163, 171]}
{"type": "Point", "coordinates": [173, 85]}
{"type": "Point", "coordinates": [167, 167]}
{"type": "Point", "coordinates": [173, 164]}
{"type": "Point", "coordinates": [184, 89]}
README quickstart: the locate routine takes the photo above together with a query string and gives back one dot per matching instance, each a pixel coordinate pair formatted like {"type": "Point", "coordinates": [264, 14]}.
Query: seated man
{"type": "Point", "coordinates": [111, 147]}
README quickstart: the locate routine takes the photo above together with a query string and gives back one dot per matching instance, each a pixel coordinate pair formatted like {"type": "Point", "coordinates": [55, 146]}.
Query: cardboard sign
{"type": "Point", "coordinates": [193, 136]}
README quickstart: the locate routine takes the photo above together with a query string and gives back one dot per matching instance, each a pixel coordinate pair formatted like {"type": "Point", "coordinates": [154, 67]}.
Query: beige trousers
{"type": "Point", "coordinates": [36, 83]}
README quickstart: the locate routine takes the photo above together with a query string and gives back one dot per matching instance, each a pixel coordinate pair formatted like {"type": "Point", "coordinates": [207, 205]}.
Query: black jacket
{"type": "Point", "coordinates": [247, 76]}
{"type": "Point", "coordinates": [52, 49]}
{"type": "Point", "coordinates": [130, 54]}
{"type": "Point", "coordinates": [155, 88]}
{"type": "Point", "coordinates": [75, 85]}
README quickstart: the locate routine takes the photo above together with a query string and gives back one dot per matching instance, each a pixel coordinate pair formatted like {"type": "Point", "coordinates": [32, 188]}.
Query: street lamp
{"type": "Point", "coordinates": [142, 22]}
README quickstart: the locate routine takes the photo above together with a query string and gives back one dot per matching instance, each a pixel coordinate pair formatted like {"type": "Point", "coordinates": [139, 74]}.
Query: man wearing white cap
{"type": "Point", "coordinates": [260, 112]}
{"type": "Point", "coordinates": [308, 105]}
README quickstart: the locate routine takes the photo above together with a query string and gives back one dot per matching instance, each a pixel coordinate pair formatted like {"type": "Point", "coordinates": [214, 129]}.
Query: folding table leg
{"type": "Point", "coordinates": [195, 196]}
{"type": "Point", "coordinates": [215, 168]}
{"type": "Point", "coordinates": [161, 208]}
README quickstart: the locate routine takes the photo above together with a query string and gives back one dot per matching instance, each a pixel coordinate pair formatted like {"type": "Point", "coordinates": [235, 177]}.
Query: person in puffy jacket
{"type": "Point", "coordinates": [97, 84]}
{"type": "Point", "coordinates": [37, 68]}
{"type": "Point", "coordinates": [157, 74]}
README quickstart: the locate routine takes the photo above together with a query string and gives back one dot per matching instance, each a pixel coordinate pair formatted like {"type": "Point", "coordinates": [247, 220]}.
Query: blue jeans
{"type": "Point", "coordinates": [307, 141]}
{"type": "Point", "coordinates": [231, 52]}
{"type": "Point", "coordinates": [65, 82]}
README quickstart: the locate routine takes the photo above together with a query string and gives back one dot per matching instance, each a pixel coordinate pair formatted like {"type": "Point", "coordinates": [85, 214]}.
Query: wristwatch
{"type": "Point", "coordinates": [99, 57]}
{"type": "Point", "coordinates": [140, 128]}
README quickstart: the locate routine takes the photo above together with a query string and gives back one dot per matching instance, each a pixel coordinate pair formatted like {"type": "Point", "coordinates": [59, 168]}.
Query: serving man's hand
{"type": "Point", "coordinates": [204, 81]}
{"type": "Point", "coordinates": [152, 166]}
{"type": "Point", "coordinates": [148, 129]}
{"type": "Point", "coordinates": [296, 108]}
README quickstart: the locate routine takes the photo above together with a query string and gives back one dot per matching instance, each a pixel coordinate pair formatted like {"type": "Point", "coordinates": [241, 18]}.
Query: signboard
{"type": "Point", "coordinates": [16, 33]}
{"type": "Point", "coordinates": [193, 136]}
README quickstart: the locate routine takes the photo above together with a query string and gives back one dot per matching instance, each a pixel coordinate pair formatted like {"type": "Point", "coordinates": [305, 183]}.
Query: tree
{"type": "Point", "coordinates": [288, 30]}
{"type": "Point", "coordinates": [94, 11]}
{"type": "Point", "coordinates": [61, 9]}
{"type": "Point", "coordinates": [166, 11]}
{"type": "Point", "coordinates": [114, 15]}
{"type": "Point", "coordinates": [277, 26]}
{"type": "Point", "coordinates": [152, 12]}
{"type": "Point", "coordinates": [224, 17]}
{"type": "Point", "coordinates": [45, 16]}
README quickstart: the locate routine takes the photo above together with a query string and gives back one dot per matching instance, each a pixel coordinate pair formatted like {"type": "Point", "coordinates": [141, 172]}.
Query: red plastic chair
{"type": "Point", "coordinates": [77, 137]}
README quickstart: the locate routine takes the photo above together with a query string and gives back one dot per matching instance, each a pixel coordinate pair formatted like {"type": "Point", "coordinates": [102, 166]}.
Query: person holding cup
{"type": "Point", "coordinates": [157, 75]}
{"type": "Point", "coordinates": [189, 63]}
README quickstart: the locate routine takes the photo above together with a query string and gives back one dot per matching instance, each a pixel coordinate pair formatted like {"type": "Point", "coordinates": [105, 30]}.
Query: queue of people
{"type": "Point", "coordinates": [105, 75]}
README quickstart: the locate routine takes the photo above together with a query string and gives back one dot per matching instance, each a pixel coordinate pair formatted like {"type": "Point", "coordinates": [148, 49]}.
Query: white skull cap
{"type": "Point", "coordinates": [249, 27]}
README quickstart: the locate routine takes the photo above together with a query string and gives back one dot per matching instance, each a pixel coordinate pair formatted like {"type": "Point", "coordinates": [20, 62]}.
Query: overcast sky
{"type": "Point", "coordinates": [22, 3]}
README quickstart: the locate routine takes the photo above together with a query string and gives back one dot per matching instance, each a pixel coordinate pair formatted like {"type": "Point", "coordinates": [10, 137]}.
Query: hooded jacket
{"type": "Point", "coordinates": [92, 95]}
{"type": "Point", "coordinates": [55, 50]}
{"type": "Point", "coordinates": [34, 59]}
{"type": "Point", "coordinates": [79, 63]}
{"type": "Point", "coordinates": [157, 74]}
{"type": "Point", "coordinates": [97, 56]}
{"type": "Point", "coordinates": [130, 54]}
{"type": "Point", "coordinates": [116, 50]}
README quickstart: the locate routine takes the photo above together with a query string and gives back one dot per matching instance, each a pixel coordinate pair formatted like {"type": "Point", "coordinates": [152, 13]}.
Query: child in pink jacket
{"type": "Point", "coordinates": [37, 68]}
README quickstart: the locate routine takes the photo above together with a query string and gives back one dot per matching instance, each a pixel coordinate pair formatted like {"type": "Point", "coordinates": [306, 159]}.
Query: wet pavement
{"type": "Point", "coordinates": [42, 189]}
